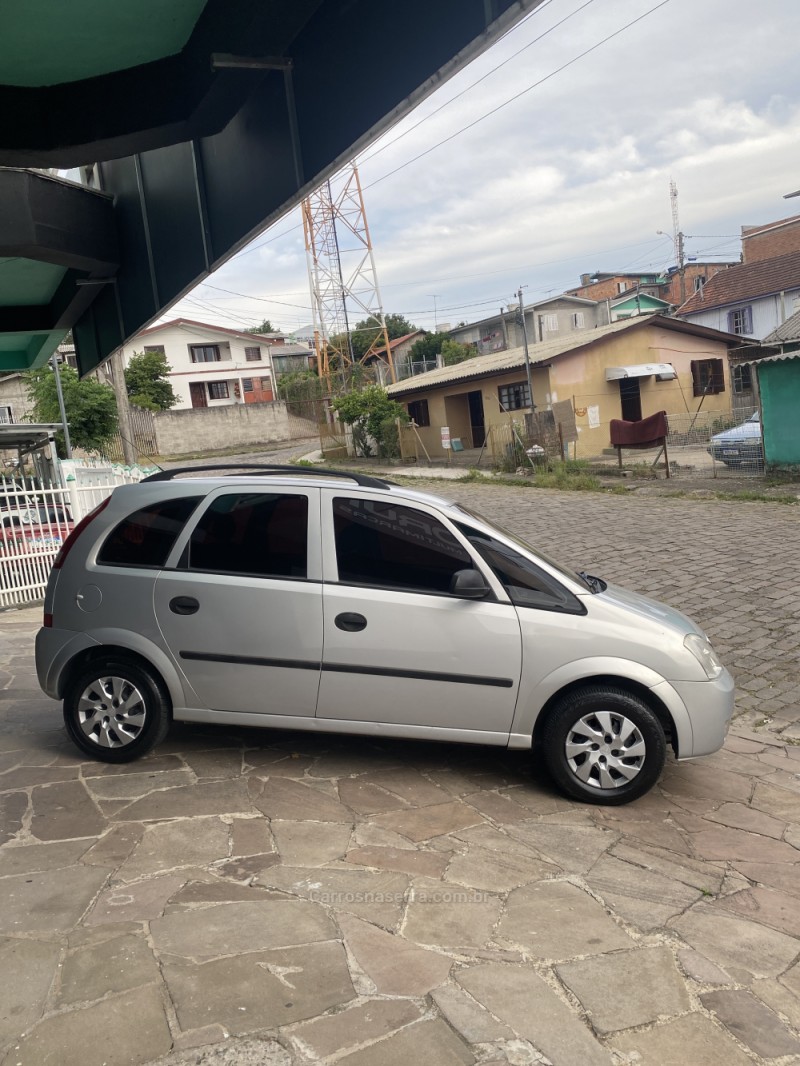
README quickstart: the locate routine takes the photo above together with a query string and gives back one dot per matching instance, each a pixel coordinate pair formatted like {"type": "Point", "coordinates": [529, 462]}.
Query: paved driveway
{"type": "Point", "coordinates": [275, 898]}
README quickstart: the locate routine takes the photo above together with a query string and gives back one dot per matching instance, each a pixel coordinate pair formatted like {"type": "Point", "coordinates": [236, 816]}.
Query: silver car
{"type": "Point", "coordinates": [344, 604]}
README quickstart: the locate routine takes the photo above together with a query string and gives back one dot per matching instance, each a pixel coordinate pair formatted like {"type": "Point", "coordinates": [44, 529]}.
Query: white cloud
{"type": "Point", "coordinates": [573, 175]}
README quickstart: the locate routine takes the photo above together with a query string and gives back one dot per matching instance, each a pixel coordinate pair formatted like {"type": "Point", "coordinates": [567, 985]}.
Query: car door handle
{"type": "Point", "coordinates": [184, 605]}
{"type": "Point", "coordinates": [350, 623]}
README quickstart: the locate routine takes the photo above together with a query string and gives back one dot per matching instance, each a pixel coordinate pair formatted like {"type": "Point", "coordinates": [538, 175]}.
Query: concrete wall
{"type": "Point", "coordinates": [14, 394]}
{"type": "Point", "coordinates": [214, 428]}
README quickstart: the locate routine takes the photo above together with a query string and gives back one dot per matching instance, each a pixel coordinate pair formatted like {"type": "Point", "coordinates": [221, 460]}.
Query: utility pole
{"type": "Point", "coordinates": [435, 297]}
{"type": "Point", "coordinates": [677, 236]}
{"type": "Point", "coordinates": [62, 409]}
{"type": "Point", "coordinates": [521, 313]}
{"type": "Point", "coordinates": [123, 408]}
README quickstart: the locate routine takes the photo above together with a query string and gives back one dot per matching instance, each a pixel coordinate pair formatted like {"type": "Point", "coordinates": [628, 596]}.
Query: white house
{"type": "Point", "coordinates": [213, 366]}
{"type": "Point", "coordinates": [750, 300]}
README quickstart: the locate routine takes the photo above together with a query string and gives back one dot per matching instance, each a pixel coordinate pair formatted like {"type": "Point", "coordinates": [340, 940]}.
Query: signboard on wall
{"type": "Point", "coordinates": [565, 418]}
{"type": "Point", "coordinates": [446, 437]}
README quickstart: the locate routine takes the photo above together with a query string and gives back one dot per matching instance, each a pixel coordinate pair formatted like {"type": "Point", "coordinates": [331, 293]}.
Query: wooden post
{"type": "Point", "coordinates": [666, 458]}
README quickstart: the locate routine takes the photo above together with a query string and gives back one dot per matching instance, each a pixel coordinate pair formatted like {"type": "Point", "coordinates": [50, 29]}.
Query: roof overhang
{"type": "Point", "coordinates": [58, 246]}
{"type": "Point", "coordinates": [663, 371]}
{"type": "Point", "coordinates": [27, 437]}
{"type": "Point", "coordinates": [204, 121]}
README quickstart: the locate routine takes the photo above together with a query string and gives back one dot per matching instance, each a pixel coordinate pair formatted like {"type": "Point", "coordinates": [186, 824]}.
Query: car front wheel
{"type": "Point", "coordinates": [116, 710]}
{"type": "Point", "coordinates": [603, 745]}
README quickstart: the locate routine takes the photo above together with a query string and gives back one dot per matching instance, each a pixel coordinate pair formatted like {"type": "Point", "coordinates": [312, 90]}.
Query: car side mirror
{"type": "Point", "coordinates": [469, 585]}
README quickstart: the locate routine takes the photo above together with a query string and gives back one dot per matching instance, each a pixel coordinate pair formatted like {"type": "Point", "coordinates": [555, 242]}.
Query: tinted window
{"type": "Point", "coordinates": [259, 533]}
{"type": "Point", "coordinates": [146, 537]}
{"type": "Point", "coordinates": [526, 584]}
{"type": "Point", "coordinates": [394, 547]}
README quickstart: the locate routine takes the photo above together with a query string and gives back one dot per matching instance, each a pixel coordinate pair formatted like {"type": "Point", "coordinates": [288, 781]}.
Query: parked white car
{"type": "Point", "coordinates": [342, 603]}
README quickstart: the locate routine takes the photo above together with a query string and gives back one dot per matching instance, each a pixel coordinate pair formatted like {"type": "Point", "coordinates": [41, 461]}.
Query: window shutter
{"type": "Point", "coordinates": [717, 375]}
{"type": "Point", "coordinates": [697, 385]}
{"type": "Point", "coordinates": [747, 320]}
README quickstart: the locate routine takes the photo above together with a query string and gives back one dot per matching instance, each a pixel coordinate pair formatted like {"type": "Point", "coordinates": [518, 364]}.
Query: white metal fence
{"type": "Point", "coordinates": [35, 520]}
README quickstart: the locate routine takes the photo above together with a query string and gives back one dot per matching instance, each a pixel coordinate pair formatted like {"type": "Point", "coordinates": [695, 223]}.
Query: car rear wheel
{"type": "Point", "coordinates": [116, 710]}
{"type": "Point", "coordinates": [603, 745]}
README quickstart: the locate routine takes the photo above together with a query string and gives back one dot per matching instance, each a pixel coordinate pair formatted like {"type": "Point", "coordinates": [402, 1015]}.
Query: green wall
{"type": "Point", "coordinates": [779, 385]}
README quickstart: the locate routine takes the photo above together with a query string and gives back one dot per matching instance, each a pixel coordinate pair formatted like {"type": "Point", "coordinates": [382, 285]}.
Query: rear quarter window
{"type": "Point", "coordinates": [146, 537]}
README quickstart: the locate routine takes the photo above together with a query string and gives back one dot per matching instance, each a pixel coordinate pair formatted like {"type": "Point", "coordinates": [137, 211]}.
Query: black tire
{"type": "Point", "coordinates": [617, 746]}
{"type": "Point", "coordinates": [118, 731]}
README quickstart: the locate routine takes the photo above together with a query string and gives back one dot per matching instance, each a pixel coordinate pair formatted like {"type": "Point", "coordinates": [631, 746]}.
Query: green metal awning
{"type": "Point", "coordinates": [196, 124]}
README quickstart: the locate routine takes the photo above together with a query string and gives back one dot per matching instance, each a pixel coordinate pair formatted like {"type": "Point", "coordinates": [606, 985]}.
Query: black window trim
{"type": "Point", "coordinates": [101, 544]}
{"type": "Point", "coordinates": [476, 561]}
{"type": "Point", "coordinates": [574, 604]}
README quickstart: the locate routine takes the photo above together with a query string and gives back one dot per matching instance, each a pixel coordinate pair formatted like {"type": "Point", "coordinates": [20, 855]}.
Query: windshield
{"type": "Point", "coordinates": [565, 571]}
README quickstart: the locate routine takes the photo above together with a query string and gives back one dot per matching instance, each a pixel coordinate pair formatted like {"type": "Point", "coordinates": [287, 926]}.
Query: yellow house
{"type": "Point", "coordinates": [629, 369]}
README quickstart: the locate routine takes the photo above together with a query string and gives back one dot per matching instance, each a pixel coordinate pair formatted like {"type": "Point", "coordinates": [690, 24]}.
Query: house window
{"type": "Point", "coordinates": [418, 412]}
{"type": "Point", "coordinates": [550, 323]}
{"type": "Point", "coordinates": [266, 383]}
{"type": "Point", "coordinates": [622, 286]}
{"type": "Point", "coordinates": [514, 397]}
{"type": "Point", "coordinates": [742, 378]}
{"type": "Point", "coordinates": [252, 355]}
{"type": "Point", "coordinates": [204, 353]}
{"type": "Point", "coordinates": [577, 320]}
{"type": "Point", "coordinates": [157, 348]}
{"type": "Point", "coordinates": [699, 282]}
{"type": "Point", "coordinates": [5, 415]}
{"type": "Point", "coordinates": [218, 390]}
{"type": "Point", "coordinates": [741, 320]}
{"type": "Point", "coordinates": [708, 376]}
{"type": "Point", "coordinates": [247, 384]}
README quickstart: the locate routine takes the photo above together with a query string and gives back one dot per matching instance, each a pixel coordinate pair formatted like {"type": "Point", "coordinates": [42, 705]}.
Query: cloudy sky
{"type": "Point", "coordinates": [518, 172]}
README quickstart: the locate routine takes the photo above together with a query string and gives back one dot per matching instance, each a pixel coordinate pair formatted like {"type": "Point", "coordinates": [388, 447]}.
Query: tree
{"type": "Point", "coordinates": [265, 327]}
{"type": "Point", "coordinates": [300, 385]}
{"type": "Point", "coordinates": [366, 333]}
{"type": "Point", "coordinates": [426, 348]}
{"type": "Point", "coordinates": [91, 407]}
{"type": "Point", "coordinates": [452, 352]}
{"type": "Point", "coordinates": [147, 381]}
{"type": "Point", "coordinates": [372, 415]}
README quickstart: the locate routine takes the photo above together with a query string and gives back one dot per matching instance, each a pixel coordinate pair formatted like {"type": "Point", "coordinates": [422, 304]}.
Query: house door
{"type": "Point", "coordinates": [476, 419]}
{"type": "Point", "coordinates": [631, 399]}
{"type": "Point", "coordinates": [197, 391]}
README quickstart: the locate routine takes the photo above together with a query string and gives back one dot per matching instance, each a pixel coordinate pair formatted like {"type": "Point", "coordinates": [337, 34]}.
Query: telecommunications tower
{"type": "Point", "coordinates": [342, 278]}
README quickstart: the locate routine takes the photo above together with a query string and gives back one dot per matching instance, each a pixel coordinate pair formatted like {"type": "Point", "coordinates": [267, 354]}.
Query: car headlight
{"type": "Point", "coordinates": [700, 646]}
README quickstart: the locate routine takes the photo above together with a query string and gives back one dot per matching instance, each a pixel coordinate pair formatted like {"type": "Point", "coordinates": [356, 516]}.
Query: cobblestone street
{"type": "Point", "coordinates": [243, 897]}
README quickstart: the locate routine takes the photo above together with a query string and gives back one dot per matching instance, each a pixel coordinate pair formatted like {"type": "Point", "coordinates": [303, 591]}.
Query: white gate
{"type": "Point", "coordinates": [35, 521]}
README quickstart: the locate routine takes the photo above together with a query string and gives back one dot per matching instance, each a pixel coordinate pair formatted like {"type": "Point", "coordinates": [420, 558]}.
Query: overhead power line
{"type": "Point", "coordinates": [520, 94]}
{"type": "Point", "coordinates": [483, 77]}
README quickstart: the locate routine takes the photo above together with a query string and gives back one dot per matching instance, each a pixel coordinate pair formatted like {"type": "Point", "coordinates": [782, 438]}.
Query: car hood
{"type": "Point", "coordinates": [747, 431]}
{"type": "Point", "coordinates": [652, 610]}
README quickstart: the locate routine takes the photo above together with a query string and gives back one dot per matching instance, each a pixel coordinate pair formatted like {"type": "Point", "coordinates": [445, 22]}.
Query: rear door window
{"type": "Point", "coordinates": [260, 533]}
{"type": "Point", "coordinates": [146, 537]}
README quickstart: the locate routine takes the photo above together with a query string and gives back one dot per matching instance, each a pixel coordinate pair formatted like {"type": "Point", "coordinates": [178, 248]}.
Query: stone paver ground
{"type": "Point", "coordinates": [285, 899]}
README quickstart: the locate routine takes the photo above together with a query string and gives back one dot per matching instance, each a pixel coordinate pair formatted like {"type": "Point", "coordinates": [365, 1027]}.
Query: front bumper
{"type": "Point", "coordinates": [709, 705]}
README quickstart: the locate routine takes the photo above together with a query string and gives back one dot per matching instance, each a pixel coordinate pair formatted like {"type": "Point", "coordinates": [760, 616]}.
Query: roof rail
{"type": "Point", "coordinates": [264, 468]}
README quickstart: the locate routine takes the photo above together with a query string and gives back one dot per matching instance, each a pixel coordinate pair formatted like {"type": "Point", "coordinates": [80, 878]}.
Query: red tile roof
{"type": "Point", "coordinates": [747, 281]}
